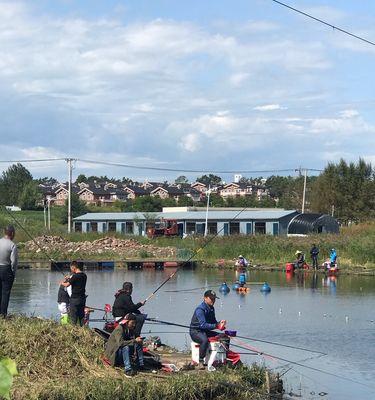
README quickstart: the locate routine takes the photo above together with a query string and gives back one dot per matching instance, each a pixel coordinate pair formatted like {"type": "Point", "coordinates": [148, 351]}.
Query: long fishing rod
{"type": "Point", "coordinates": [35, 242]}
{"type": "Point", "coordinates": [241, 337]}
{"type": "Point", "coordinates": [306, 366]}
{"type": "Point", "coordinates": [192, 256]}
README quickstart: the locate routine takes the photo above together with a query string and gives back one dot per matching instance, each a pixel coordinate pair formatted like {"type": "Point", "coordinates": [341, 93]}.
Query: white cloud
{"type": "Point", "coordinates": [349, 113]}
{"type": "Point", "coordinates": [269, 107]}
{"type": "Point", "coordinates": [238, 78]}
{"type": "Point", "coordinates": [162, 89]}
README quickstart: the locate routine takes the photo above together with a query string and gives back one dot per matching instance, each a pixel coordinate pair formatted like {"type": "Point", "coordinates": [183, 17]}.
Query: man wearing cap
{"type": "Point", "coordinates": [203, 323]}
{"type": "Point", "coordinates": [8, 267]}
{"type": "Point", "coordinates": [123, 344]}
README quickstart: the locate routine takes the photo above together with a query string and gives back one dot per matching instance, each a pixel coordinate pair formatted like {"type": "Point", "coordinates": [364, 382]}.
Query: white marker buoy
{"type": "Point", "coordinates": [346, 319]}
{"type": "Point", "coordinates": [280, 311]}
{"type": "Point", "coordinates": [299, 313]}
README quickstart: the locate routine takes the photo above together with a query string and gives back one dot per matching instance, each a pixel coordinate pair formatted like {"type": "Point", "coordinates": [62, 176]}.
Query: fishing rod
{"type": "Point", "coordinates": [305, 366]}
{"type": "Point", "coordinates": [192, 256]}
{"type": "Point", "coordinates": [35, 242]}
{"type": "Point", "coordinates": [188, 290]}
{"type": "Point", "coordinates": [242, 337]}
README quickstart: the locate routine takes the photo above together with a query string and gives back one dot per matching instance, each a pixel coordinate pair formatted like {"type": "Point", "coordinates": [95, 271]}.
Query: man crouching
{"type": "Point", "coordinates": [122, 345]}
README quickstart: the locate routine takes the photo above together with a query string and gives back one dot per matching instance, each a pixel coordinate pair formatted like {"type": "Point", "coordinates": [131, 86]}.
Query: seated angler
{"type": "Point", "coordinates": [124, 305]}
{"type": "Point", "coordinates": [202, 324]}
{"type": "Point", "coordinates": [123, 345]}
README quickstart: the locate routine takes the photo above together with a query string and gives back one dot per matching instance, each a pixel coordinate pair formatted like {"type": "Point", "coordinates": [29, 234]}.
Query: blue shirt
{"type": "Point", "coordinates": [203, 318]}
{"type": "Point", "coordinates": [333, 256]}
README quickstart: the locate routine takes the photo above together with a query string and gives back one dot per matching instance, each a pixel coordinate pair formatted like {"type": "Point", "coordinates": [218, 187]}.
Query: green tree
{"type": "Point", "coordinates": [30, 197]}
{"type": "Point", "coordinates": [181, 179]}
{"type": "Point", "coordinates": [185, 201]}
{"type": "Point", "coordinates": [216, 200]}
{"type": "Point", "coordinates": [81, 178]}
{"type": "Point", "coordinates": [168, 202]}
{"type": "Point", "coordinates": [48, 181]}
{"type": "Point", "coordinates": [127, 181]}
{"type": "Point", "coordinates": [147, 204]}
{"type": "Point", "coordinates": [211, 179]}
{"type": "Point", "coordinates": [12, 182]}
{"type": "Point", "coordinates": [78, 208]}
{"type": "Point", "coordinates": [346, 189]}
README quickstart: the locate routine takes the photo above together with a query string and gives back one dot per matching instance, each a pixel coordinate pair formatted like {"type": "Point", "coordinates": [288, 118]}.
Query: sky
{"type": "Point", "coordinates": [207, 85]}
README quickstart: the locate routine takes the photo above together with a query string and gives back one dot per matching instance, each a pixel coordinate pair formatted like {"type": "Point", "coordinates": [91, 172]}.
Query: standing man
{"type": "Point", "coordinates": [78, 298]}
{"type": "Point", "coordinates": [8, 267]}
{"type": "Point", "coordinates": [203, 322]}
{"type": "Point", "coordinates": [314, 252]}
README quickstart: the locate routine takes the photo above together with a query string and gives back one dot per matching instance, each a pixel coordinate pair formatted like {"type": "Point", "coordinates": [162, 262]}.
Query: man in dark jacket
{"type": "Point", "coordinates": [124, 305]}
{"type": "Point", "coordinates": [123, 344]}
{"type": "Point", "coordinates": [203, 322]}
{"type": "Point", "coordinates": [314, 252]}
{"type": "Point", "coordinates": [78, 298]}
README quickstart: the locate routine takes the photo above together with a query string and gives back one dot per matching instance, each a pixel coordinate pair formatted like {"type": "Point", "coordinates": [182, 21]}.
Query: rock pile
{"type": "Point", "coordinates": [126, 248]}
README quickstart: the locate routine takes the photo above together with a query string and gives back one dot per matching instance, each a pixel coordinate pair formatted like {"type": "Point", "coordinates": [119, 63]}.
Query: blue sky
{"type": "Point", "coordinates": [214, 85]}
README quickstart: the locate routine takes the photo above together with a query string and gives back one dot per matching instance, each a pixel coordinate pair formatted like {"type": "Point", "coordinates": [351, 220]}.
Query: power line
{"type": "Point", "coordinates": [32, 161]}
{"type": "Point", "coordinates": [205, 171]}
{"type": "Point", "coordinates": [141, 167]}
{"type": "Point", "coordinates": [324, 22]}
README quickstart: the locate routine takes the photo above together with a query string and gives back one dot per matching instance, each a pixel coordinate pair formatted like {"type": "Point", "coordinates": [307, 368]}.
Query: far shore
{"type": "Point", "coordinates": [210, 264]}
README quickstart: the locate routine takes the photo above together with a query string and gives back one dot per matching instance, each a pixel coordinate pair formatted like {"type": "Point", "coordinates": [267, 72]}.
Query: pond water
{"type": "Point", "coordinates": [332, 315]}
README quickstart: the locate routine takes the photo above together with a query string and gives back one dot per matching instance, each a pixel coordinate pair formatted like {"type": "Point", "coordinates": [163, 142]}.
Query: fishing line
{"type": "Point", "coordinates": [281, 344]}
{"type": "Point", "coordinates": [193, 255]}
{"type": "Point", "coordinates": [241, 337]}
{"type": "Point", "coordinates": [308, 367]}
{"type": "Point", "coordinates": [188, 290]}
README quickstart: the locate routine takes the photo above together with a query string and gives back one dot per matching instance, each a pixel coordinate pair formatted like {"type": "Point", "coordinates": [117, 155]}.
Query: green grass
{"type": "Point", "coordinates": [64, 363]}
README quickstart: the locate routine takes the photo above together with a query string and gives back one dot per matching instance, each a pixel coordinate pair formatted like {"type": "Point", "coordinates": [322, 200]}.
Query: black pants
{"type": "Point", "coordinates": [315, 261]}
{"type": "Point", "coordinates": [77, 310]}
{"type": "Point", "coordinates": [139, 321]}
{"type": "Point", "coordinates": [6, 283]}
{"type": "Point", "coordinates": [201, 337]}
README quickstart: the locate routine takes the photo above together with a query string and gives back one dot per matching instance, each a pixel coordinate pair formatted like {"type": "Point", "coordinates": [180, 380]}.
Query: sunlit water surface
{"type": "Point", "coordinates": [333, 315]}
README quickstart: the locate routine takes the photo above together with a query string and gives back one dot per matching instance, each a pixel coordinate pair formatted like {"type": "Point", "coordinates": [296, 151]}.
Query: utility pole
{"type": "Point", "coordinates": [299, 170]}
{"type": "Point", "coordinates": [304, 192]}
{"type": "Point", "coordinates": [44, 213]}
{"type": "Point", "coordinates": [70, 167]}
{"type": "Point", "coordinates": [208, 204]}
{"type": "Point", "coordinates": [49, 213]}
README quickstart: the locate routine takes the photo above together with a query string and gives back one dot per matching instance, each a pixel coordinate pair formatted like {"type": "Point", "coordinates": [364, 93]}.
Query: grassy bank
{"type": "Point", "coordinates": [64, 363]}
{"type": "Point", "coordinates": [354, 244]}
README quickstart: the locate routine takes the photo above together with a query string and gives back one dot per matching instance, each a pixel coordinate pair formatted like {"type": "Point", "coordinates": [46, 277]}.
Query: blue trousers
{"type": "Point", "coordinates": [201, 337]}
{"type": "Point", "coordinates": [124, 354]}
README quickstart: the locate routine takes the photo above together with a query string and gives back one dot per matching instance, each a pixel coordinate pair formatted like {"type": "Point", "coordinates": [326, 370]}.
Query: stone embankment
{"type": "Point", "coordinates": [127, 248]}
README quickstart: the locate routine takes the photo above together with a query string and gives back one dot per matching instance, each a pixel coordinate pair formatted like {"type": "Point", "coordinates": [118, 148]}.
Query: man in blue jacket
{"type": "Point", "coordinates": [203, 323]}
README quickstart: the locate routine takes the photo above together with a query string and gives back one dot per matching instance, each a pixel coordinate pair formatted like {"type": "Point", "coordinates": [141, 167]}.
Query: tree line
{"type": "Point", "coordinates": [345, 190]}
